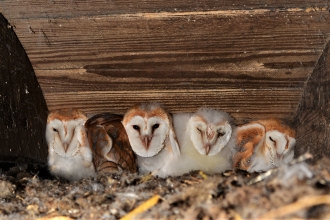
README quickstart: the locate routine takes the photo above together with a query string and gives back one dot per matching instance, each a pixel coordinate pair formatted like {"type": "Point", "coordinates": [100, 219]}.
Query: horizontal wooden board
{"type": "Point", "coordinates": [89, 42]}
{"type": "Point", "coordinates": [242, 104]}
{"type": "Point", "coordinates": [80, 80]}
{"type": "Point", "coordinates": [25, 9]}
{"type": "Point", "coordinates": [250, 62]}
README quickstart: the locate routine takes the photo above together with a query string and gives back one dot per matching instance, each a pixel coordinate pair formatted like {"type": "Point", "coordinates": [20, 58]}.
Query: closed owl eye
{"type": "Point", "coordinates": [199, 130]}
{"type": "Point", "coordinates": [135, 127]}
{"type": "Point", "coordinates": [221, 133]}
{"type": "Point", "coordinates": [270, 138]}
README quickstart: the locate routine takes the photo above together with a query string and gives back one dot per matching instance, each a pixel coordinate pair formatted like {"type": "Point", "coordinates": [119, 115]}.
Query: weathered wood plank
{"type": "Point", "coordinates": [79, 42]}
{"type": "Point", "coordinates": [313, 115]}
{"type": "Point", "coordinates": [196, 53]}
{"type": "Point", "coordinates": [80, 80]}
{"type": "Point", "coordinates": [61, 8]}
{"type": "Point", "coordinates": [243, 104]}
{"type": "Point", "coordinates": [23, 110]}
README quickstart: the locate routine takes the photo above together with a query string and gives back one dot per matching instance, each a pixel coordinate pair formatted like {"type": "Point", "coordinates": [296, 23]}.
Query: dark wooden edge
{"type": "Point", "coordinates": [312, 119]}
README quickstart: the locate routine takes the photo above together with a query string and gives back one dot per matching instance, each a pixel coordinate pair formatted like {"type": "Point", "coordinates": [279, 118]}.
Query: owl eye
{"type": "Point", "coordinates": [135, 127]}
{"type": "Point", "coordinates": [155, 126]}
{"type": "Point", "coordinates": [199, 130]}
{"type": "Point", "coordinates": [221, 133]}
{"type": "Point", "coordinates": [54, 129]}
{"type": "Point", "coordinates": [270, 138]}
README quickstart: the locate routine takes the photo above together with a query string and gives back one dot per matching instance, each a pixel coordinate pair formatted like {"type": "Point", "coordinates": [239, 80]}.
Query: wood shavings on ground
{"type": "Point", "coordinates": [300, 190]}
{"type": "Point", "coordinates": [296, 206]}
{"type": "Point", "coordinates": [142, 208]}
{"type": "Point", "coordinates": [268, 173]}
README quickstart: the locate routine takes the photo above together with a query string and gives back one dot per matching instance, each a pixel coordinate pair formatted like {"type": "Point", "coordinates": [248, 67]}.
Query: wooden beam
{"type": "Point", "coordinates": [208, 42]}
{"type": "Point", "coordinates": [22, 105]}
{"type": "Point", "coordinates": [198, 49]}
{"type": "Point", "coordinates": [26, 9]}
{"type": "Point", "coordinates": [243, 104]}
{"type": "Point", "coordinates": [313, 116]}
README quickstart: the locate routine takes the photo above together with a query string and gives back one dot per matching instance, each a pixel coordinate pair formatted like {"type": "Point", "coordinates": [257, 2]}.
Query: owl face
{"type": "Point", "coordinates": [279, 146]}
{"type": "Point", "coordinates": [65, 132]}
{"type": "Point", "coordinates": [210, 131]}
{"type": "Point", "coordinates": [147, 127]}
{"type": "Point", "coordinates": [279, 141]}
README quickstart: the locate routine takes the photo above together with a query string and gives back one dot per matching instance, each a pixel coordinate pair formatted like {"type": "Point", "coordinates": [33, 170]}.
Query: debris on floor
{"type": "Point", "coordinates": [299, 190]}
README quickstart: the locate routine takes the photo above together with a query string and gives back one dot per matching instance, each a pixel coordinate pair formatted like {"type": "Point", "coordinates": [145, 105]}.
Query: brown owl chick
{"type": "Point", "coordinates": [108, 139]}
{"type": "Point", "coordinates": [263, 145]}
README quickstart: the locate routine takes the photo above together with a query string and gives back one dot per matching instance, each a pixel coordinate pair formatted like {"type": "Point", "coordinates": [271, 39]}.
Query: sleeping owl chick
{"type": "Point", "coordinates": [109, 143]}
{"type": "Point", "coordinates": [69, 155]}
{"type": "Point", "coordinates": [203, 139]}
{"type": "Point", "coordinates": [263, 145]}
{"type": "Point", "coordinates": [150, 132]}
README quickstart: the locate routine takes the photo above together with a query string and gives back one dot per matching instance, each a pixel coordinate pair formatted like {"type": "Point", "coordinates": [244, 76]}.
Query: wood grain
{"type": "Point", "coordinates": [242, 104]}
{"type": "Point", "coordinates": [80, 42]}
{"type": "Point", "coordinates": [25, 9]}
{"type": "Point", "coordinates": [312, 118]}
{"type": "Point", "coordinates": [250, 58]}
{"type": "Point", "coordinates": [23, 108]}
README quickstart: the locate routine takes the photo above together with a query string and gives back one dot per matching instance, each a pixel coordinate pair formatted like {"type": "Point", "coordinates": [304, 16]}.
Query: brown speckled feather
{"type": "Point", "coordinates": [276, 124]}
{"type": "Point", "coordinates": [252, 135]}
{"type": "Point", "coordinates": [248, 137]}
{"type": "Point", "coordinates": [110, 145]}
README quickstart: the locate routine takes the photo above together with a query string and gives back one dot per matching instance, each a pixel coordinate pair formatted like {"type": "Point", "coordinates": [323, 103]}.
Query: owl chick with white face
{"type": "Point", "coordinates": [150, 132]}
{"type": "Point", "coordinates": [264, 145]}
{"type": "Point", "coordinates": [203, 139]}
{"type": "Point", "coordinates": [69, 155]}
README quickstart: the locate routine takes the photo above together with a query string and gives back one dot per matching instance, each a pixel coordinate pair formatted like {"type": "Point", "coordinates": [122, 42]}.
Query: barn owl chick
{"type": "Point", "coordinates": [264, 145]}
{"type": "Point", "coordinates": [203, 139]}
{"type": "Point", "coordinates": [150, 132]}
{"type": "Point", "coordinates": [69, 155]}
{"type": "Point", "coordinates": [109, 143]}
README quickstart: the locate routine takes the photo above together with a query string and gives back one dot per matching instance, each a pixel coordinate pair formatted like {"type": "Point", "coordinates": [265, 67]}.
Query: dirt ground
{"type": "Point", "coordinates": [296, 191]}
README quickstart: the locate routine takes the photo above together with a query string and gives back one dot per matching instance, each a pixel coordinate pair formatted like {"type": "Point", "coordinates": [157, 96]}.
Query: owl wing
{"type": "Point", "coordinates": [108, 167]}
{"type": "Point", "coordinates": [110, 144]}
{"type": "Point", "coordinates": [249, 137]}
{"type": "Point", "coordinates": [174, 143]}
{"type": "Point", "coordinates": [100, 144]}
{"type": "Point", "coordinates": [102, 119]}
{"type": "Point", "coordinates": [173, 139]}
{"type": "Point", "coordinates": [121, 152]}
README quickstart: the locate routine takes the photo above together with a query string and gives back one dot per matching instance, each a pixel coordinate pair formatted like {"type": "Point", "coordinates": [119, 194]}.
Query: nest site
{"type": "Point", "coordinates": [298, 190]}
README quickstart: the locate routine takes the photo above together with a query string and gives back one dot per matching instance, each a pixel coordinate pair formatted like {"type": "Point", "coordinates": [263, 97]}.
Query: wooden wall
{"type": "Point", "coordinates": [250, 58]}
{"type": "Point", "coordinates": [23, 110]}
{"type": "Point", "coordinates": [312, 119]}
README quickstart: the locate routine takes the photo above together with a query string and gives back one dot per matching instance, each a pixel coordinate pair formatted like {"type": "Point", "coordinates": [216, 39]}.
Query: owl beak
{"type": "Point", "coordinates": [280, 156]}
{"type": "Point", "coordinates": [146, 143]}
{"type": "Point", "coordinates": [207, 149]}
{"type": "Point", "coordinates": [65, 146]}
{"type": "Point", "coordinates": [147, 140]}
